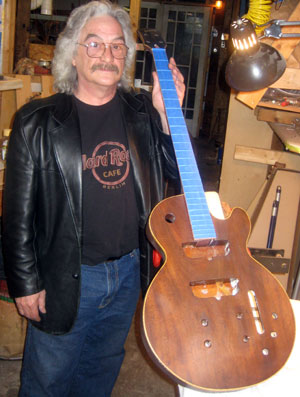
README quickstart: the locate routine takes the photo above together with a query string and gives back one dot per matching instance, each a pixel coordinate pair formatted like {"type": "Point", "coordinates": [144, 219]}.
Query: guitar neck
{"type": "Point", "coordinates": [199, 215]}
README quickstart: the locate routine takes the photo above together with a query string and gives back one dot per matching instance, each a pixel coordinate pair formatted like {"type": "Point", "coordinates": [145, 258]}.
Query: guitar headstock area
{"type": "Point", "coordinates": [151, 38]}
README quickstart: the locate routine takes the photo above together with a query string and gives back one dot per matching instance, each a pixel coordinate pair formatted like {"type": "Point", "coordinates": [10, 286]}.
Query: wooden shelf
{"type": "Point", "coordinates": [10, 83]}
{"type": "Point", "coordinates": [276, 115]}
{"type": "Point", "coordinates": [288, 108]}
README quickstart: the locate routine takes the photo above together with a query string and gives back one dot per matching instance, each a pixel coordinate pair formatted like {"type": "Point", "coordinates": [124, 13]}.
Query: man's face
{"type": "Point", "coordinates": [94, 73]}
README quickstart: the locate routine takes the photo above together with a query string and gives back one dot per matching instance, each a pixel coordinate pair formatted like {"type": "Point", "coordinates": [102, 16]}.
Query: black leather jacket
{"type": "Point", "coordinates": [42, 203]}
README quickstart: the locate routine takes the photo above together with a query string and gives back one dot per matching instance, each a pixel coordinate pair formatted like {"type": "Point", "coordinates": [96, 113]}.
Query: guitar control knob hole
{"type": "Point", "coordinates": [170, 218]}
{"type": "Point", "coordinates": [265, 352]}
{"type": "Point", "coordinates": [275, 316]}
{"type": "Point", "coordinates": [274, 334]}
{"type": "Point", "coordinates": [207, 343]}
{"type": "Point", "coordinates": [246, 338]}
{"type": "Point", "coordinates": [239, 316]}
{"type": "Point", "coordinates": [204, 322]}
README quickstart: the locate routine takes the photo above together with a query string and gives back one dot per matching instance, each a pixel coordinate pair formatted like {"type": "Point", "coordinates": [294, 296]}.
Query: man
{"type": "Point", "coordinates": [84, 169]}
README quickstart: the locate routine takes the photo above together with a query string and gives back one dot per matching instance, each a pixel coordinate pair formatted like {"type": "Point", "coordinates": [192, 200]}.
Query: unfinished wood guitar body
{"type": "Point", "coordinates": [213, 317]}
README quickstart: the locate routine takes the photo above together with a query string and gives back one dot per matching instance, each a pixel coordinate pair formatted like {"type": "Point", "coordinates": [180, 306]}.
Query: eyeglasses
{"type": "Point", "coordinates": [96, 50]}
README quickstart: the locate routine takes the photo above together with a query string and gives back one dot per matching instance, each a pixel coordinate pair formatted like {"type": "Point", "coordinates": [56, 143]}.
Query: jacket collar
{"type": "Point", "coordinates": [63, 107]}
{"type": "Point", "coordinates": [64, 104]}
{"type": "Point", "coordinates": [131, 99]}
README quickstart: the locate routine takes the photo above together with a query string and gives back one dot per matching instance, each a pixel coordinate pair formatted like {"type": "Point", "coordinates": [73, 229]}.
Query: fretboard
{"type": "Point", "coordinates": [200, 218]}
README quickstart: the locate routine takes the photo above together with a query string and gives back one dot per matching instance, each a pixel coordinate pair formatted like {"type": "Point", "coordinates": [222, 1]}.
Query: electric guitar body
{"type": "Point", "coordinates": [213, 318]}
{"type": "Point", "coordinates": [200, 322]}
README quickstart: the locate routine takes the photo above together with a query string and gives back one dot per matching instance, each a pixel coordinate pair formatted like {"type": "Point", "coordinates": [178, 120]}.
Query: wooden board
{"type": "Point", "coordinates": [8, 38]}
{"type": "Point", "coordinates": [47, 86]}
{"type": "Point", "coordinates": [8, 108]}
{"type": "Point", "coordinates": [24, 95]}
{"type": "Point", "coordinates": [289, 80]}
{"type": "Point", "coordinates": [10, 83]}
{"type": "Point", "coordinates": [13, 99]}
{"type": "Point", "coordinates": [287, 108]}
{"type": "Point", "coordinates": [267, 157]}
{"type": "Point", "coordinates": [134, 12]}
{"type": "Point", "coordinates": [22, 32]}
{"type": "Point", "coordinates": [289, 135]}
{"type": "Point", "coordinates": [276, 115]}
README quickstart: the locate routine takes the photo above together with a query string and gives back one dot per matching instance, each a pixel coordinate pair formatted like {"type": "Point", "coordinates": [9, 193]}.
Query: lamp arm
{"type": "Point", "coordinates": [289, 35]}
{"type": "Point", "coordinates": [274, 30]}
{"type": "Point", "coordinates": [286, 23]}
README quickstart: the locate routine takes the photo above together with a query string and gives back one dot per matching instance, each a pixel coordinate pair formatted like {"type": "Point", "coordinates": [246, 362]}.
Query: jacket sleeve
{"type": "Point", "coordinates": [18, 216]}
{"type": "Point", "coordinates": [164, 140]}
{"type": "Point", "coordinates": [171, 170]}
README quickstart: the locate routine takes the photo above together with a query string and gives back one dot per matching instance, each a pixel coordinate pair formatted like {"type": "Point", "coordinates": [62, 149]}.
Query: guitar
{"type": "Point", "coordinates": [213, 318]}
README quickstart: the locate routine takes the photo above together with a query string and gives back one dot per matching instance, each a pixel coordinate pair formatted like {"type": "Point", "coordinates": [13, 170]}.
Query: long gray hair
{"type": "Point", "coordinates": [65, 74]}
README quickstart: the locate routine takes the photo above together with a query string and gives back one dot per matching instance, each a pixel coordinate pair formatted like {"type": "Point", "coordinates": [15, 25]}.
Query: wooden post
{"type": "Point", "coordinates": [134, 12]}
{"type": "Point", "coordinates": [9, 23]}
{"type": "Point", "coordinates": [22, 29]}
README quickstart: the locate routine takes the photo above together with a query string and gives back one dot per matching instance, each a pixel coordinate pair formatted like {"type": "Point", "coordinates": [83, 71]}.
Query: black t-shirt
{"type": "Point", "coordinates": [110, 215]}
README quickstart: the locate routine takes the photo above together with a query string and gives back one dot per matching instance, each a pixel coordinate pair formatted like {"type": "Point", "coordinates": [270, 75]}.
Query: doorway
{"type": "Point", "coordinates": [186, 31]}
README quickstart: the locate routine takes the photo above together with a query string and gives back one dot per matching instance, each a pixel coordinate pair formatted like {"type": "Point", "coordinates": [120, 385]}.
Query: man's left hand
{"type": "Point", "coordinates": [157, 99]}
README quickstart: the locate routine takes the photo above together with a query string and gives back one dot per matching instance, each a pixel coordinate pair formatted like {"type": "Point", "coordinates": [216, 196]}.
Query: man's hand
{"type": "Point", "coordinates": [157, 99]}
{"type": "Point", "coordinates": [29, 306]}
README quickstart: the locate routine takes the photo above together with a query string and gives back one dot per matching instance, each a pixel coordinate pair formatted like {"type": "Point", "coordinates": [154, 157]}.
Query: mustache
{"type": "Point", "coordinates": [105, 66]}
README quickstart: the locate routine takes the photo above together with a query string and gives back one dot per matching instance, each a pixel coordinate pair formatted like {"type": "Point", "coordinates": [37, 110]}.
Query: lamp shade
{"type": "Point", "coordinates": [252, 65]}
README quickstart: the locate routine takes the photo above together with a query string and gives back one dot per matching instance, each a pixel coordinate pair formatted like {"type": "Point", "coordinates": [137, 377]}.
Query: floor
{"type": "Point", "coordinates": [138, 376]}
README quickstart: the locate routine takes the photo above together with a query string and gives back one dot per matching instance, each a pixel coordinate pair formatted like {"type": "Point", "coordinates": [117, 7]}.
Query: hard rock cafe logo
{"type": "Point", "coordinates": [109, 163]}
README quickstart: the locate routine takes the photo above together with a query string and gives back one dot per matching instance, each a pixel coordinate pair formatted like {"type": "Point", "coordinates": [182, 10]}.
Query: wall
{"type": "Point", "coordinates": [240, 180]}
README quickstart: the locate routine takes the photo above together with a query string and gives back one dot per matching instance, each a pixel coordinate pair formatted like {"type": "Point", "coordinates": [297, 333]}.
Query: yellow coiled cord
{"type": "Point", "coordinates": [259, 12]}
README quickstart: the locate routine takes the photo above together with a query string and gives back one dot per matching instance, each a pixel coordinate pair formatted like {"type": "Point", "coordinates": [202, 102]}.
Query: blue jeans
{"type": "Point", "coordinates": [86, 361]}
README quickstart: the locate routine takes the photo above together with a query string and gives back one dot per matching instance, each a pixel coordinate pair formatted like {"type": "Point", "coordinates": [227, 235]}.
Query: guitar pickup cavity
{"type": "Point", "coordinates": [208, 249]}
{"type": "Point", "coordinates": [215, 288]}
